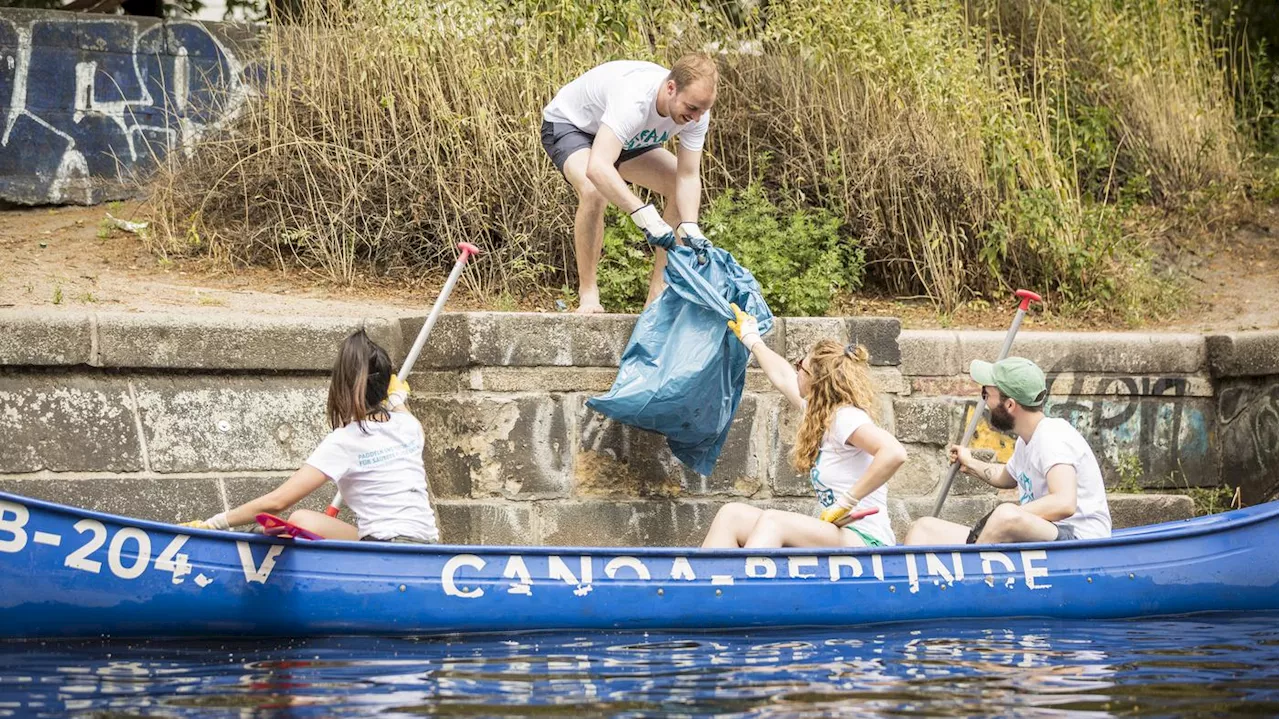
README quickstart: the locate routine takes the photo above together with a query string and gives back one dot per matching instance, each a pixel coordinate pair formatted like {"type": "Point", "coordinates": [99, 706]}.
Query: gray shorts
{"type": "Point", "coordinates": [560, 140]}
{"type": "Point", "coordinates": [1065, 533]}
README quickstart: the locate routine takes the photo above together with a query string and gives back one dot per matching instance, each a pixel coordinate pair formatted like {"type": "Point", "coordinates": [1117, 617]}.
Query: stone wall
{"type": "Point", "coordinates": [170, 417]}
{"type": "Point", "coordinates": [89, 103]}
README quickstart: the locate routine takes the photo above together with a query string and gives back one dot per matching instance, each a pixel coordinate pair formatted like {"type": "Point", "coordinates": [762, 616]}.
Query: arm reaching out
{"type": "Point", "coordinates": [776, 368]}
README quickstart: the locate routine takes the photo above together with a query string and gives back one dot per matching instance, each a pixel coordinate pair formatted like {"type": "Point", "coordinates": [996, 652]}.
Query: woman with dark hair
{"type": "Point", "coordinates": [373, 454]}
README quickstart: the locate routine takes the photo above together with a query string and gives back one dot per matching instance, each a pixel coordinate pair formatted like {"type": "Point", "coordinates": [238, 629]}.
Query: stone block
{"type": "Point", "coordinates": [489, 445]}
{"type": "Point", "coordinates": [930, 353]}
{"type": "Point", "coordinates": [928, 420]}
{"type": "Point", "coordinates": [68, 423]}
{"type": "Point", "coordinates": [37, 337]}
{"type": "Point", "coordinates": [619, 460]}
{"type": "Point", "coordinates": [490, 523]}
{"type": "Point", "coordinates": [880, 336]}
{"type": "Point", "coordinates": [802, 333]}
{"type": "Point", "coordinates": [160, 499]}
{"type": "Point", "coordinates": [1247, 436]}
{"type": "Point", "coordinates": [542, 379]}
{"type": "Point", "coordinates": [1243, 354]}
{"type": "Point", "coordinates": [529, 339]}
{"type": "Point", "coordinates": [447, 347]}
{"type": "Point", "coordinates": [961, 510]}
{"type": "Point", "coordinates": [612, 523]}
{"type": "Point", "coordinates": [220, 341]}
{"type": "Point", "coordinates": [1136, 510]}
{"type": "Point", "coordinates": [194, 424]}
{"type": "Point", "coordinates": [1095, 352]}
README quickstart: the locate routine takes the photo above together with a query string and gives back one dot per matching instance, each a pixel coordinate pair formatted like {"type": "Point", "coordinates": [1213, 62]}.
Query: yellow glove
{"type": "Point", "coordinates": [836, 512]}
{"type": "Point", "coordinates": [217, 521]}
{"type": "Point", "coordinates": [397, 392]}
{"type": "Point", "coordinates": [745, 327]}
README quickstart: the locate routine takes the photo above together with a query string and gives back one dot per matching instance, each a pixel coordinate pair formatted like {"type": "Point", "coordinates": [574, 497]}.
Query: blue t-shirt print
{"type": "Point", "coordinates": [826, 497]}
{"type": "Point", "coordinates": [1024, 488]}
{"type": "Point", "coordinates": [645, 138]}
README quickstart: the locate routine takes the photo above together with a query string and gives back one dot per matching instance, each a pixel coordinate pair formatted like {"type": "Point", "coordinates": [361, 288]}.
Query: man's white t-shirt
{"type": "Point", "coordinates": [623, 95]}
{"type": "Point", "coordinates": [379, 472]}
{"type": "Point", "coordinates": [1056, 442]}
{"type": "Point", "coordinates": [840, 465]}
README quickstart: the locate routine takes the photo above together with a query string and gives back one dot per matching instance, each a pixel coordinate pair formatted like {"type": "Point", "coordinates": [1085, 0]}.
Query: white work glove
{"type": "Point", "coordinates": [217, 521]}
{"type": "Point", "coordinates": [690, 234]}
{"type": "Point", "coordinates": [837, 511]}
{"type": "Point", "coordinates": [656, 231]}
{"type": "Point", "coordinates": [745, 327]}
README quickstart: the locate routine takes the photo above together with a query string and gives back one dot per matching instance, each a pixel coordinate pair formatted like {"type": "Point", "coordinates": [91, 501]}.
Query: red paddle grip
{"type": "Point", "coordinates": [468, 250]}
{"type": "Point", "coordinates": [1025, 298]}
{"type": "Point", "coordinates": [332, 511]}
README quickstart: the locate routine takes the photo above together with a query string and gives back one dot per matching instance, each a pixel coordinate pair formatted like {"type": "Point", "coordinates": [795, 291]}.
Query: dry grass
{"type": "Point", "coordinates": [387, 131]}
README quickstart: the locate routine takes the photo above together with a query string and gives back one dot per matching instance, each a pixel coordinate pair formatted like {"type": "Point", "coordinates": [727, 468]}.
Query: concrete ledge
{"type": "Point", "coordinates": [42, 338]}
{"type": "Point", "coordinates": [1244, 354]}
{"type": "Point", "coordinates": [231, 343]}
{"type": "Point", "coordinates": [945, 353]}
{"type": "Point", "coordinates": [159, 499]}
{"type": "Point", "coordinates": [1137, 510]}
{"type": "Point", "coordinates": [484, 523]}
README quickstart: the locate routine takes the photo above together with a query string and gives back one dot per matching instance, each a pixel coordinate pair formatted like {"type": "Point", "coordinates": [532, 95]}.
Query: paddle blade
{"type": "Point", "coordinates": [274, 526]}
{"type": "Point", "coordinates": [855, 515]}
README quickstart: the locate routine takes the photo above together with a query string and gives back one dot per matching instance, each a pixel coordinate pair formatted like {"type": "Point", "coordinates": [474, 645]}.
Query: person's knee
{"type": "Point", "coordinates": [590, 198]}
{"type": "Point", "coordinates": [920, 531]}
{"type": "Point", "coordinates": [734, 512]}
{"type": "Point", "coordinates": [304, 517]}
{"type": "Point", "coordinates": [1002, 523]}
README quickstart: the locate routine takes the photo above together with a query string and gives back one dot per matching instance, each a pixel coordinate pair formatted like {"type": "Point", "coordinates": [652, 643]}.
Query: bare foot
{"type": "Point", "coordinates": [591, 309]}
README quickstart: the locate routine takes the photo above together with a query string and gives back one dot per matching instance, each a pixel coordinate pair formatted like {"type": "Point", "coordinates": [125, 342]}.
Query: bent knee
{"type": "Point", "coordinates": [589, 196]}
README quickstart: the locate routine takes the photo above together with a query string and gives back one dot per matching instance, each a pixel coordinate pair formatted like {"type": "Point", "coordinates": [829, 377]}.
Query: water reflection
{"type": "Point", "coordinates": [1029, 668]}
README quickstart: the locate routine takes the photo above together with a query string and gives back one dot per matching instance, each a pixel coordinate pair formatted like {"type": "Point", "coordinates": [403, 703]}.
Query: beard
{"type": "Point", "coordinates": [1001, 419]}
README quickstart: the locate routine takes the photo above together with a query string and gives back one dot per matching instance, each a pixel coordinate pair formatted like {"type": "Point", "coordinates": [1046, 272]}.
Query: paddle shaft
{"type": "Point", "coordinates": [467, 250]}
{"type": "Point", "coordinates": [1025, 297]}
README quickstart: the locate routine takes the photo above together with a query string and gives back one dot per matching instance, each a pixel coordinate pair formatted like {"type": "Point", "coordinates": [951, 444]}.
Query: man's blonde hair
{"type": "Point", "coordinates": [692, 68]}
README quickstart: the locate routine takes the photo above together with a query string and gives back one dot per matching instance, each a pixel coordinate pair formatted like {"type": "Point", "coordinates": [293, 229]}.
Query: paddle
{"type": "Point", "coordinates": [1025, 297]}
{"type": "Point", "coordinates": [276, 526]}
{"type": "Point", "coordinates": [855, 515]}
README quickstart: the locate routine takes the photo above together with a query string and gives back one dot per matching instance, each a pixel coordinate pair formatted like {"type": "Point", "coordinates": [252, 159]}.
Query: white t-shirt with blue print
{"type": "Point", "coordinates": [622, 94]}
{"type": "Point", "coordinates": [380, 474]}
{"type": "Point", "coordinates": [840, 465]}
{"type": "Point", "coordinates": [1056, 442]}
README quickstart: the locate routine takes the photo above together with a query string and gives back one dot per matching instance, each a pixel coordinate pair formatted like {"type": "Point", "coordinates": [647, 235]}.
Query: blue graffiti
{"type": "Point", "coordinates": [92, 105]}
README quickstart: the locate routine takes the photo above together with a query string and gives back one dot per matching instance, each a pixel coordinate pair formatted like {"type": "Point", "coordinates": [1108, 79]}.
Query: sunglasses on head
{"type": "Point", "coordinates": [799, 365]}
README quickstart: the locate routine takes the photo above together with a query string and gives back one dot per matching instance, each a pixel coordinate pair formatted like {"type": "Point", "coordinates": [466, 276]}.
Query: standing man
{"type": "Point", "coordinates": [1060, 490]}
{"type": "Point", "coordinates": [605, 129]}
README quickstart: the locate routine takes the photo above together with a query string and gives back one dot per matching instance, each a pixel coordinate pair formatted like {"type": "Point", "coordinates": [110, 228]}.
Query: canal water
{"type": "Point", "coordinates": [1202, 665]}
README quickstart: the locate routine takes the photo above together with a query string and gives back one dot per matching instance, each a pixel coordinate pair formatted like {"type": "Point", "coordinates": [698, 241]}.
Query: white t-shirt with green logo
{"type": "Point", "coordinates": [840, 465]}
{"type": "Point", "coordinates": [1056, 442]}
{"type": "Point", "coordinates": [622, 94]}
{"type": "Point", "coordinates": [379, 471]}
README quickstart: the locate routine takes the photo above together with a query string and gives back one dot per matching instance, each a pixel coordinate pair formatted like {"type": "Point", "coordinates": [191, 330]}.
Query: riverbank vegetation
{"type": "Point", "coordinates": [936, 148]}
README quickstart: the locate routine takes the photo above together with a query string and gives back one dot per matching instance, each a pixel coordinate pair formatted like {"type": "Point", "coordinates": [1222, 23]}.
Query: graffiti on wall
{"type": "Point", "coordinates": [1249, 427]}
{"type": "Point", "coordinates": [90, 105]}
{"type": "Point", "coordinates": [1159, 422]}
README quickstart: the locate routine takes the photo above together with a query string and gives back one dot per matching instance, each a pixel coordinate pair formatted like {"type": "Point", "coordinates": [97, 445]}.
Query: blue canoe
{"type": "Point", "coordinates": [66, 572]}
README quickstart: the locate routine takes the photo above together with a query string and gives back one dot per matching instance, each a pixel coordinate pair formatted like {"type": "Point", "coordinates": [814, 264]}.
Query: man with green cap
{"type": "Point", "coordinates": [1060, 490]}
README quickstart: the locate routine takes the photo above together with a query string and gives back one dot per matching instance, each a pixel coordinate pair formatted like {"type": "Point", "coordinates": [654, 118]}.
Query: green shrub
{"type": "Point", "coordinates": [796, 255]}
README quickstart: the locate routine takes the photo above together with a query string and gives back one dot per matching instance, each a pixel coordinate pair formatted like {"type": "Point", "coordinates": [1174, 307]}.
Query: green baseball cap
{"type": "Point", "coordinates": [1017, 377]}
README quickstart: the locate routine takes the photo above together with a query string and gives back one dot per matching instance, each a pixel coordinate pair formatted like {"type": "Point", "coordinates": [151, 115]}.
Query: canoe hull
{"type": "Point", "coordinates": [66, 572]}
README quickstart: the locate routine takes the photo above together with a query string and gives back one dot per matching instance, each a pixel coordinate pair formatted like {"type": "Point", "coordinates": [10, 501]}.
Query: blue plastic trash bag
{"type": "Point", "coordinates": [683, 371]}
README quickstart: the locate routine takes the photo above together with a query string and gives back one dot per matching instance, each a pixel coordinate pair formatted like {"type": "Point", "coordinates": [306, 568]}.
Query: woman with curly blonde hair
{"type": "Point", "coordinates": [847, 457]}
